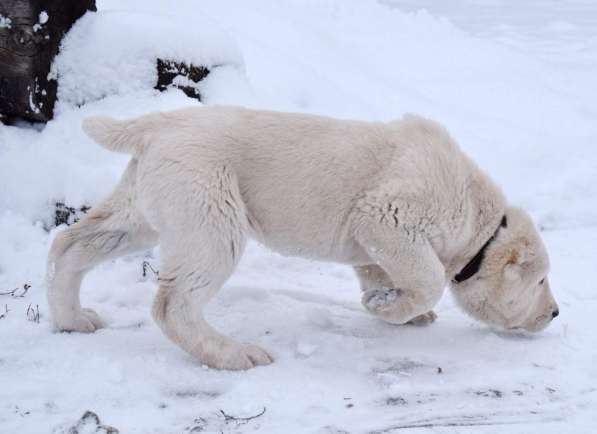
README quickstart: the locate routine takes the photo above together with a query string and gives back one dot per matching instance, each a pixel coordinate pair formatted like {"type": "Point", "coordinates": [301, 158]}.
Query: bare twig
{"type": "Point", "coordinates": [33, 313]}
{"type": "Point", "coordinates": [147, 266]}
{"type": "Point", "coordinates": [241, 420]}
{"type": "Point", "coordinates": [2, 316]}
{"type": "Point", "coordinates": [18, 292]}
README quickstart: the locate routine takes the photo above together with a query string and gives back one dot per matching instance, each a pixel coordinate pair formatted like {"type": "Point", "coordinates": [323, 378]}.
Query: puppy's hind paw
{"type": "Point", "coordinates": [87, 321]}
{"type": "Point", "coordinates": [237, 357]}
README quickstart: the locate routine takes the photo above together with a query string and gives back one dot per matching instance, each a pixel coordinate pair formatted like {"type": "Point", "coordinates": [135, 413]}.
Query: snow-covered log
{"type": "Point", "coordinates": [124, 52]}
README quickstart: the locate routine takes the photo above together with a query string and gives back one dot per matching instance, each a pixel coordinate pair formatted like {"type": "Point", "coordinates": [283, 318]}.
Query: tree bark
{"type": "Point", "coordinates": [30, 36]}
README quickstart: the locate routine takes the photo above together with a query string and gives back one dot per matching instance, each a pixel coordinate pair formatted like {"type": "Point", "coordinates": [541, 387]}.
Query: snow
{"type": "Point", "coordinates": [5, 22]}
{"type": "Point", "coordinates": [43, 17]}
{"type": "Point", "coordinates": [114, 52]}
{"type": "Point", "coordinates": [515, 84]}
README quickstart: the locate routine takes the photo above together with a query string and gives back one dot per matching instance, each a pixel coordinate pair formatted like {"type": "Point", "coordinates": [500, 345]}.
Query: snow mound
{"type": "Point", "coordinates": [115, 52]}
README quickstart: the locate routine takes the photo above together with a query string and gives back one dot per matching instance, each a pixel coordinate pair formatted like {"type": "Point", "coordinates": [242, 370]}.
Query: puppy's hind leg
{"type": "Point", "coordinates": [202, 238]}
{"type": "Point", "coordinates": [112, 228]}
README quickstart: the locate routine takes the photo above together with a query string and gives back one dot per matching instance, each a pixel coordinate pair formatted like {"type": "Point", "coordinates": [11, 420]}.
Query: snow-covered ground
{"type": "Point", "coordinates": [513, 81]}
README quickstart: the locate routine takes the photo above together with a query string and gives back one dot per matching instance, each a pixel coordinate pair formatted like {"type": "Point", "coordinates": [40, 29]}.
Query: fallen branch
{"type": "Point", "coordinates": [241, 420]}
{"type": "Point", "coordinates": [18, 292]}
{"type": "Point", "coordinates": [5, 312]}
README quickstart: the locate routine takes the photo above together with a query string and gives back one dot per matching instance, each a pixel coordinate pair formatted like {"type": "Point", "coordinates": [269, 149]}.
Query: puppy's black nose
{"type": "Point", "coordinates": [555, 313]}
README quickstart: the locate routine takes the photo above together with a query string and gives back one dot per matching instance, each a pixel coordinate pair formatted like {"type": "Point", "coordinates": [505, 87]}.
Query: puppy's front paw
{"type": "Point", "coordinates": [86, 321]}
{"type": "Point", "coordinates": [378, 301]}
{"type": "Point", "coordinates": [424, 319]}
{"type": "Point", "coordinates": [394, 306]}
{"type": "Point", "coordinates": [237, 357]}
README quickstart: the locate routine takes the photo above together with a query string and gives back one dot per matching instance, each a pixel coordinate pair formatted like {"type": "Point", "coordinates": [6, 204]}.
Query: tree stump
{"type": "Point", "coordinates": [30, 35]}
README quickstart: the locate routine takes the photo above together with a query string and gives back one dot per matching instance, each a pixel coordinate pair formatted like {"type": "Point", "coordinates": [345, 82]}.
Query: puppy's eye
{"type": "Point", "coordinates": [542, 281]}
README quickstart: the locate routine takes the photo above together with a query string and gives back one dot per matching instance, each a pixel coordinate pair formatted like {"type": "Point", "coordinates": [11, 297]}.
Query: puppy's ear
{"type": "Point", "coordinates": [513, 266]}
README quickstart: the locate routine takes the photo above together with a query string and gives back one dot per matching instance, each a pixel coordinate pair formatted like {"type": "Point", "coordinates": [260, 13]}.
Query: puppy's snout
{"type": "Point", "coordinates": [555, 313]}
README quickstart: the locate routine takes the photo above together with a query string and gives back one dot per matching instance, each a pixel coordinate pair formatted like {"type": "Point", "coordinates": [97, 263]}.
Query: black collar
{"type": "Point", "coordinates": [474, 264]}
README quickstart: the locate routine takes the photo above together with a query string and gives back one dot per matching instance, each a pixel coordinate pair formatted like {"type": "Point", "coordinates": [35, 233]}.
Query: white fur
{"type": "Point", "coordinates": [398, 201]}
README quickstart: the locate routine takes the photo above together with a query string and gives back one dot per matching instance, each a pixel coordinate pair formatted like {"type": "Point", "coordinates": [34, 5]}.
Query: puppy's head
{"type": "Point", "coordinates": [511, 289]}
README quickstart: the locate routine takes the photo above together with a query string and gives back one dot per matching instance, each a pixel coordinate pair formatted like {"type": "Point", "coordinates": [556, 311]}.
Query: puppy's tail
{"type": "Point", "coordinates": [117, 136]}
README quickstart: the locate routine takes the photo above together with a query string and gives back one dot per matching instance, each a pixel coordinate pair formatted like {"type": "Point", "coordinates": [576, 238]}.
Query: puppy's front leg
{"type": "Point", "coordinates": [415, 276]}
{"type": "Point", "coordinates": [377, 286]}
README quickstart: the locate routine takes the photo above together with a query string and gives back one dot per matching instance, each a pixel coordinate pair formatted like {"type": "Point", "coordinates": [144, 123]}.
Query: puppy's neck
{"type": "Point", "coordinates": [484, 213]}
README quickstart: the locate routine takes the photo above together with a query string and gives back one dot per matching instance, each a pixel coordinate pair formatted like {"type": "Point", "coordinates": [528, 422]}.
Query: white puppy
{"type": "Point", "coordinates": [398, 201]}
